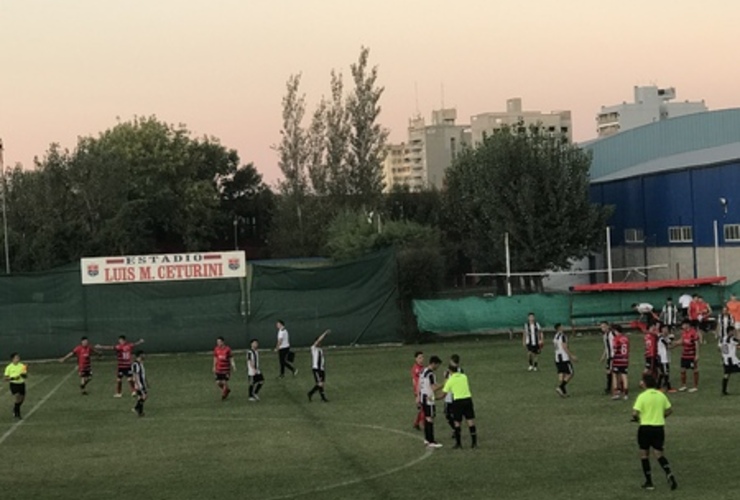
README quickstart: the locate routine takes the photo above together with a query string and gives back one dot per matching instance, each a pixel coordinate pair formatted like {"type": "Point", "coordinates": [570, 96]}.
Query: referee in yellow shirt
{"type": "Point", "coordinates": [15, 374]}
{"type": "Point", "coordinates": [462, 404]}
{"type": "Point", "coordinates": [650, 410]}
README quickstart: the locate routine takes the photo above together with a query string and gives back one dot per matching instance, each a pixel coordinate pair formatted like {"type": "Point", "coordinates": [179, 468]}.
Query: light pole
{"type": "Point", "coordinates": [5, 212]}
{"type": "Point", "coordinates": [236, 241]}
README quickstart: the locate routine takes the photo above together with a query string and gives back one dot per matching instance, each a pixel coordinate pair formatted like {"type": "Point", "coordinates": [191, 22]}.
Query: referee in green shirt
{"type": "Point", "coordinates": [15, 374]}
{"type": "Point", "coordinates": [650, 410]}
{"type": "Point", "coordinates": [462, 403]}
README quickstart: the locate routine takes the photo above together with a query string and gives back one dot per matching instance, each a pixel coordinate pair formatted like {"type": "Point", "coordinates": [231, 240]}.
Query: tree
{"type": "Point", "coordinates": [293, 148]}
{"type": "Point", "coordinates": [367, 137]}
{"type": "Point", "coordinates": [531, 185]}
{"type": "Point", "coordinates": [337, 139]}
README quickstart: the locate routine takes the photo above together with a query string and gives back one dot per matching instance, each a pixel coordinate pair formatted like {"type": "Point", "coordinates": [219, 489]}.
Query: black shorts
{"type": "Point", "coordinates": [608, 365]}
{"type": "Point", "coordinates": [534, 349]}
{"type": "Point", "coordinates": [319, 376]}
{"type": "Point", "coordinates": [463, 408]}
{"type": "Point", "coordinates": [223, 376]}
{"type": "Point", "coordinates": [730, 368]}
{"type": "Point", "coordinates": [256, 378]}
{"type": "Point", "coordinates": [565, 367]}
{"type": "Point", "coordinates": [623, 370]}
{"type": "Point", "coordinates": [651, 436]}
{"type": "Point", "coordinates": [689, 364]}
{"type": "Point", "coordinates": [124, 372]}
{"type": "Point", "coordinates": [85, 373]}
{"type": "Point", "coordinates": [651, 364]}
{"type": "Point", "coordinates": [18, 389]}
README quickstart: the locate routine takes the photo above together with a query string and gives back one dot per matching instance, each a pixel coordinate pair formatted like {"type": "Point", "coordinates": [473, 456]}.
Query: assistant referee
{"type": "Point", "coordinates": [462, 403]}
{"type": "Point", "coordinates": [650, 410]}
{"type": "Point", "coordinates": [16, 373]}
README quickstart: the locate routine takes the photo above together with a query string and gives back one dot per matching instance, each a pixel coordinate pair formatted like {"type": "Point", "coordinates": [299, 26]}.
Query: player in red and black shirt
{"type": "Point", "coordinates": [620, 363]}
{"type": "Point", "coordinates": [651, 351]}
{"type": "Point", "coordinates": [416, 370]}
{"type": "Point", "coordinates": [124, 355]}
{"type": "Point", "coordinates": [84, 364]}
{"type": "Point", "coordinates": [690, 340]}
{"type": "Point", "coordinates": [223, 363]}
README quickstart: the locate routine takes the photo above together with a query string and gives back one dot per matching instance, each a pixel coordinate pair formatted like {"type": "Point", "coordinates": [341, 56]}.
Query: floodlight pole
{"type": "Point", "coordinates": [508, 265]}
{"type": "Point", "coordinates": [609, 254]}
{"type": "Point", "coordinates": [5, 212]}
{"type": "Point", "coordinates": [716, 248]}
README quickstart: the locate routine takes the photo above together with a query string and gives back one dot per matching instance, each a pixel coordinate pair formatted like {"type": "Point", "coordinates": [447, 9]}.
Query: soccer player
{"type": "Point", "coordinates": [684, 302]}
{"type": "Point", "coordinates": [669, 314]}
{"type": "Point", "coordinates": [532, 340]}
{"type": "Point", "coordinates": [730, 363]}
{"type": "Point", "coordinates": [223, 363]}
{"type": "Point", "coordinates": [698, 313]}
{"type": "Point", "coordinates": [651, 350]}
{"type": "Point", "coordinates": [563, 360]}
{"type": "Point", "coordinates": [254, 373]}
{"type": "Point", "coordinates": [449, 397]}
{"type": "Point", "coordinates": [15, 374]}
{"type": "Point", "coordinates": [416, 370]}
{"type": "Point", "coordinates": [665, 344]}
{"type": "Point", "coordinates": [427, 387]}
{"type": "Point", "coordinates": [607, 335]}
{"type": "Point", "coordinates": [84, 363]}
{"type": "Point", "coordinates": [733, 307]}
{"type": "Point", "coordinates": [124, 351]}
{"type": "Point", "coordinates": [462, 406]}
{"type": "Point", "coordinates": [620, 364]}
{"type": "Point", "coordinates": [650, 410]}
{"type": "Point", "coordinates": [724, 321]}
{"type": "Point", "coordinates": [139, 372]}
{"type": "Point", "coordinates": [283, 348]}
{"type": "Point", "coordinates": [690, 341]}
{"type": "Point", "coordinates": [318, 366]}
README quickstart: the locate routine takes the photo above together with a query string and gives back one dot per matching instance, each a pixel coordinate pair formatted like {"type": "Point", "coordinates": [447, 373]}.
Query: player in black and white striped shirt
{"type": "Point", "coordinates": [608, 338]}
{"type": "Point", "coordinates": [533, 340]}
{"type": "Point", "coordinates": [563, 360]}
{"type": "Point", "coordinates": [730, 362]}
{"type": "Point", "coordinates": [669, 314]}
{"type": "Point", "coordinates": [318, 366]}
{"type": "Point", "coordinates": [139, 374]}
{"type": "Point", "coordinates": [254, 372]}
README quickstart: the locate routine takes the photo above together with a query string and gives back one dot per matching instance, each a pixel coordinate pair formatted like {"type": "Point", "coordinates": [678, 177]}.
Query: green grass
{"type": "Point", "coordinates": [533, 444]}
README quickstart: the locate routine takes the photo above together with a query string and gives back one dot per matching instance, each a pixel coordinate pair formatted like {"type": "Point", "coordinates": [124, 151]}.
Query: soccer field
{"type": "Point", "coordinates": [360, 445]}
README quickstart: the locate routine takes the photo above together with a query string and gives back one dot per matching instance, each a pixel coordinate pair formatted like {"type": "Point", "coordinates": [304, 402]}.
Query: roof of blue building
{"type": "Point", "coordinates": [683, 142]}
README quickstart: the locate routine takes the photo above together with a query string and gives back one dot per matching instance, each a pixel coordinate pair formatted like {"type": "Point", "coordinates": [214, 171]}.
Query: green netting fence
{"type": "Point", "coordinates": [480, 314]}
{"type": "Point", "coordinates": [44, 314]}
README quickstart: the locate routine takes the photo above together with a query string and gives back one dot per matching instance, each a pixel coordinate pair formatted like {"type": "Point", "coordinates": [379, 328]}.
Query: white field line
{"type": "Point", "coordinates": [15, 426]}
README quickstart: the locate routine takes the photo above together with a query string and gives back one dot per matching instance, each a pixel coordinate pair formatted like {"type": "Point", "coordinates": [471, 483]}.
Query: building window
{"type": "Point", "coordinates": [680, 234]}
{"type": "Point", "coordinates": [634, 236]}
{"type": "Point", "coordinates": [732, 232]}
{"type": "Point", "coordinates": [453, 148]}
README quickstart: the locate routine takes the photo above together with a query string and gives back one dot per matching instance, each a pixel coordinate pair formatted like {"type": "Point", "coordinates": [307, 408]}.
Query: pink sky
{"type": "Point", "coordinates": [71, 67]}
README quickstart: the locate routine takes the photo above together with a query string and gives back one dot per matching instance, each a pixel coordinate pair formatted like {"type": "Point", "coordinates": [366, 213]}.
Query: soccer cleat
{"type": "Point", "coordinates": [648, 486]}
{"type": "Point", "coordinates": [725, 393]}
{"type": "Point", "coordinates": [252, 399]}
{"type": "Point", "coordinates": [672, 391]}
{"type": "Point", "coordinates": [536, 369]}
{"type": "Point", "coordinates": [560, 392]}
{"type": "Point", "coordinates": [672, 481]}
{"type": "Point", "coordinates": [434, 445]}
{"type": "Point", "coordinates": [117, 395]}
{"type": "Point", "coordinates": [225, 394]}
{"type": "Point", "coordinates": [256, 397]}
{"type": "Point", "coordinates": [133, 394]}
{"type": "Point", "coordinates": [616, 397]}
{"type": "Point", "coordinates": [693, 389]}
{"type": "Point", "coordinates": [682, 388]}
{"type": "Point", "coordinates": [295, 372]}
{"type": "Point", "coordinates": [530, 368]}
{"type": "Point", "coordinates": [625, 397]}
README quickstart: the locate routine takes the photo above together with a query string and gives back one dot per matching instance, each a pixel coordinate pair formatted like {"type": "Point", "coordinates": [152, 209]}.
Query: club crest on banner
{"type": "Point", "coordinates": [93, 270]}
{"type": "Point", "coordinates": [233, 264]}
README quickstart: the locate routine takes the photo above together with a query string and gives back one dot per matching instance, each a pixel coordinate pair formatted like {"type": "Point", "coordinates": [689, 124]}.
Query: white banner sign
{"type": "Point", "coordinates": [165, 267]}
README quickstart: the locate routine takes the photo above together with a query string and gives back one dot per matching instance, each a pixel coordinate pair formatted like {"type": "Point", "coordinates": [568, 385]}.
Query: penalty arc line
{"type": "Point", "coordinates": [15, 426]}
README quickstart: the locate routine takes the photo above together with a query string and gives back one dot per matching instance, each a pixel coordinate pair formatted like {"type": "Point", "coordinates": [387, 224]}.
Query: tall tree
{"type": "Point", "coordinates": [532, 186]}
{"type": "Point", "coordinates": [367, 137]}
{"type": "Point", "coordinates": [293, 148]}
{"type": "Point", "coordinates": [337, 139]}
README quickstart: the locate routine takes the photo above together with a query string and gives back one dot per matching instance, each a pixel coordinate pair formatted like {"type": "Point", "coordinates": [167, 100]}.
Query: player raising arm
{"type": "Point", "coordinates": [84, 364]}
{"type": "Point", "coordinates": [318, 367]}
{"type": "Point", "coordinates": [124, 354]}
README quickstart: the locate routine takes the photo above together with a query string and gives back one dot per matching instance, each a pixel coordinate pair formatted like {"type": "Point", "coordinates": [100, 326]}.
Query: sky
{"type": "Point", "coordinates": [72, 68]}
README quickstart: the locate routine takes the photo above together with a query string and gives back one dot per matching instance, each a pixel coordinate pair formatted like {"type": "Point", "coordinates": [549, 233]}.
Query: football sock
{"type": "Point", "coordinates": [457, 436]}
{"type": "Point", "coordinates": [450, 420]}
{"type": "Point", "coordinates": [257, 388]}
{"type": "Point", "coordinates": [473, 435]}
{"type": "Point", "coordinates": [132, 385]}
{"type": "Point", "coordinates": [696, 379]}
{"type": "Point", "coordinates": [562, 386]}
{"type": "Point", "coordinates": [321, 393]}
{"type": "Point", "coordinates": [724, 385]}
{"type": "Point", "coordinates": [646, 470]}
{"type": "Point", "coordinates": [608, 382]}
{"type": "Point", "coordinates": [663, 461]}
{"type": "Point", "coordinates": [530, 362]}
{"type": "Point", "coordinates": [17, 410]}
{"type": "Point", "coordinates": [118, 387]}
{"type": "Point", "coordinates": [535, 363]}
{"type": "Point", "coordinates": [683, 379]}
{"type": "Point", "coordinates": [429, 431]}
{"type": "Point", "coordinates": [251, 390]}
